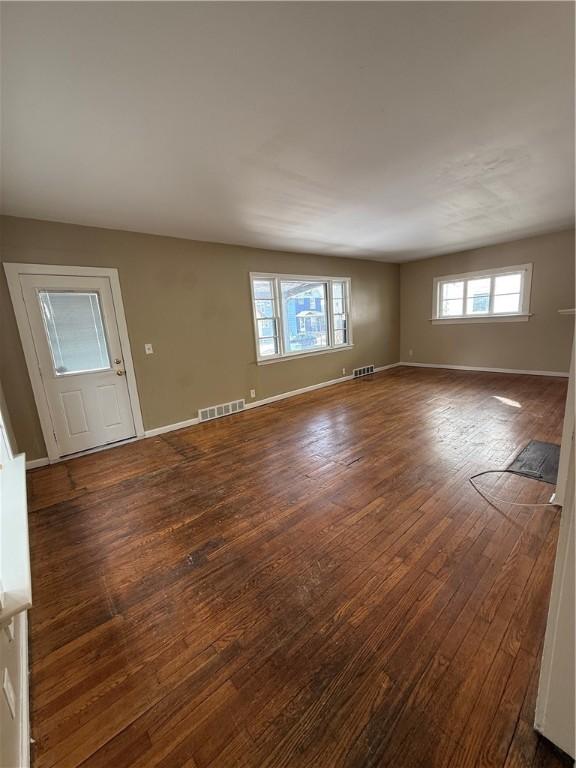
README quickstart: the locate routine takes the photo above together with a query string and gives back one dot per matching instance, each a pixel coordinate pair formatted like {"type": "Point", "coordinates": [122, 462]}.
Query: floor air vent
{"type": "Point", "coordinates": [363, 371]}
{"type": "Point", "coordinates": [225, 409]}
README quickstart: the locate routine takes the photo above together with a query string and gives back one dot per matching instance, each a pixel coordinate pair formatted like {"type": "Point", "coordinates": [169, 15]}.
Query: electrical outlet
{"type": "Point", "coordinates": [410, 352]}
{"type": "Point", "coordinates": [343, 371]}
{"type": "Point", "coordinates": [149, 349]}
{"type": "Point", "coordinates": [252, 393]}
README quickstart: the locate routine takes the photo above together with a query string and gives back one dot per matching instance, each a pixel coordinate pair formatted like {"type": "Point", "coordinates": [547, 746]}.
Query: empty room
{"type": "Point", "coordinates": [287, 384]}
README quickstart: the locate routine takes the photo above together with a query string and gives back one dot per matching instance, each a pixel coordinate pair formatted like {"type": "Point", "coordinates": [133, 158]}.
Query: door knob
{"type": "Point", "coordinates": [119, 373]}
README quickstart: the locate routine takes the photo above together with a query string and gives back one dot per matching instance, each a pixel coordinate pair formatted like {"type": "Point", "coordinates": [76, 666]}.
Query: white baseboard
{"type": "Point", "coordinates": [264, 401]}
{"type": "Point", "coordinates": [302, 390]}
{"type": "Point", "coordinates": [284, 395]}
{"type": "Point", "coordinates": [33, 463]}
{"type": "Point", "coordinates": [386, 367]}
{"type": "Point", "coordinates": [170, 427]}
{"type": "Point", "coordinates": [191, 422]}
{"type": "Point", "coordinates": [563, 374]}
{"type": "Point", "coordinates": [294, 392]}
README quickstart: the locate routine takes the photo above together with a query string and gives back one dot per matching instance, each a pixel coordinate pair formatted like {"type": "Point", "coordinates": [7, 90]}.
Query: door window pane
{"type": "Point", "coordinates": [304, 313]}
{"type": "Point", "coordinates": [75, 331]}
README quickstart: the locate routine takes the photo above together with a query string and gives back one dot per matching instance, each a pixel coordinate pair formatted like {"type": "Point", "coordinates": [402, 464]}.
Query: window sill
{"type": "Point", "coordinates": [301, 355]}
{"type": "Point", "coordinates": [515, 318]}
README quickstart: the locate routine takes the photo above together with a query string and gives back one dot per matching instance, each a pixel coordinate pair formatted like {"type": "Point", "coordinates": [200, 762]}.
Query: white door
{"type": "Point", "coordinates": [77, 343]}
{"type": "Point", "coordinates": [556, 703]}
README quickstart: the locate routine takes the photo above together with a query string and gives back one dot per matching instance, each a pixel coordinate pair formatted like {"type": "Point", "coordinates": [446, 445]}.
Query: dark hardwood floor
{"type": "Point", "coordinates": [311, 583]}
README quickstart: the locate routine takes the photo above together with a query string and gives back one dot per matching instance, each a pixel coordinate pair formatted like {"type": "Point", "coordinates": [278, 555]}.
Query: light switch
{"type": "Point", "coordinates": [148, 349]}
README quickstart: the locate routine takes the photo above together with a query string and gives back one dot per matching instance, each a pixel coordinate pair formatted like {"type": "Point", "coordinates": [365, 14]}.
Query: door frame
{"type": "Point", "coordinates": [13, 273]}
{"type": "Point", "coordinates": [567, 430]}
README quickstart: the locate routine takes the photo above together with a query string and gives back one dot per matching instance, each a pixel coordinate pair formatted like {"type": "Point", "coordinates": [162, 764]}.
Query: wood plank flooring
{"type": "Point", "coordinates": [311, 583]}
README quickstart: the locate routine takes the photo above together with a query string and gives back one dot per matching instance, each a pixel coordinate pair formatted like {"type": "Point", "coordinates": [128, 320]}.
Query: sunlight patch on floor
{"type": "Point", "coordinates": [507, 401]}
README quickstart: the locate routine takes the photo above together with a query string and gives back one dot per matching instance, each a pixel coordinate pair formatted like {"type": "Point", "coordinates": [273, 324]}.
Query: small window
{"type": "Point", "coordinates": [299, 315]}
{"type": "Point", "coordinates": [75, 331]}
{"type": "Point", "coordinates": [498, 294]}
{"type": "Point", "coordinates": [340, 312]}
{"type": "Point", "coordinates": [304, 315]}
{"type": "Point", "coordinates": [266, 318]}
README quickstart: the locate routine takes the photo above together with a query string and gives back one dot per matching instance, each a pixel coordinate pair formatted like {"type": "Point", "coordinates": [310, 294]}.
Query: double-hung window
{"type": "Point", "coordinates": [296, 315]}
{"type": "Point", "coordinates": [491, 294]}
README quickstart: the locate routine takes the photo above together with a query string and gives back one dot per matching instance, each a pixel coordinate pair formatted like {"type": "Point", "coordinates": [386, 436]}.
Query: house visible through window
{"type": "Point", "coordinates": [499, 293]}
{"type": "Point", "coordinates": [298, 315]}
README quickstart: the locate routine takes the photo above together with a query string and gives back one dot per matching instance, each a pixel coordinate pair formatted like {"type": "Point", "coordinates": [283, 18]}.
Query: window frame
{"type": "Point", "coordinates": [523, 314]}
{"type": "Point", "coordinates": [276, 278]}
{"type": "Point", "coordinates": [86, 372]}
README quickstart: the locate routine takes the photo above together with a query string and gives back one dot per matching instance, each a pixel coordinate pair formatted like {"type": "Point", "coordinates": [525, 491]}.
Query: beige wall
{"type": "Point", "coordinates": [541, 344]}
{"type": "Point", "coordinates": [175, 290]}
{"type": "Point", "coordinates": [191, 300]}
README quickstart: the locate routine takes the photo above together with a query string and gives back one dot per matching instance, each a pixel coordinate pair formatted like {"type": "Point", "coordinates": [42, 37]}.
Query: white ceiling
{"type": "Point", "coordinates": [384, 130]}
